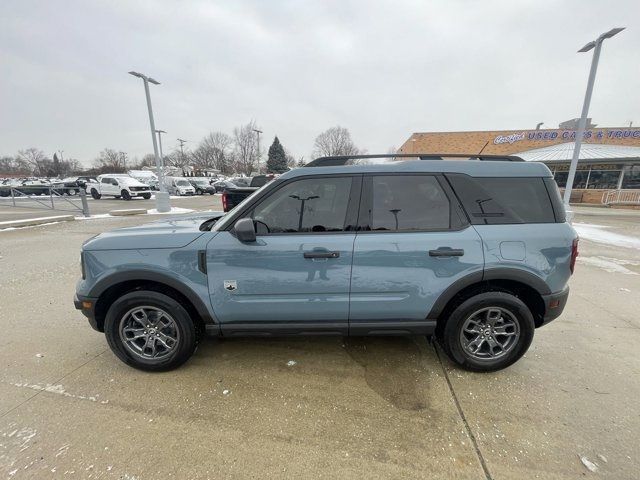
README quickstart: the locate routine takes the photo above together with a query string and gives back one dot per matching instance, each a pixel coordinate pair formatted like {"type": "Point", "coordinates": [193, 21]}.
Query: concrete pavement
{"type": "Point", "coordinates": [316, 407]}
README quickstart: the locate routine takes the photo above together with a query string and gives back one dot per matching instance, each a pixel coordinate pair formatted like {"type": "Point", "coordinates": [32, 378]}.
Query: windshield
{"type": "Point", "coordinates": [201, 182]}
{"type": "Point", "coordinates": [183, 183]}
{"type": "Point", "coordinates": [229, 218]}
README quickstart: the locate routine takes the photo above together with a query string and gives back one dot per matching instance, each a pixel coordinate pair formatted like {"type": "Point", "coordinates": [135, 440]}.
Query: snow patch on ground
{"type": "Point", "coordinates": [599, 234]}
{"type": "Point", "coordinates": [27, 226]}
{"type": "Point", "coordinates": [612, 265]}
{"type": "Point", "coordinates": [174, 210]}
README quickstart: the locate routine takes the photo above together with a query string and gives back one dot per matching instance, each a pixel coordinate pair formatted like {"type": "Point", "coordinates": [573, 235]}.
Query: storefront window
{"type": "Point", "coordinates": [579, 181]}
{"type": "Point", "coordinates": [607, 179]}
{"type": "Point", "coordinates": [631, 177]}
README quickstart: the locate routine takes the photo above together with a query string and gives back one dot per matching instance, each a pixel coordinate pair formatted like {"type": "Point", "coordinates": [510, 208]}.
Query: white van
{"type": "Point", "coordinates": [179, 186]}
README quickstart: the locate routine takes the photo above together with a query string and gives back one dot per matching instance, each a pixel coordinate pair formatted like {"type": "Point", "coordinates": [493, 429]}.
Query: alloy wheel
{"type": "Point", "coordinates": [149, 333]}
{"type": "Point", "coordinates": [489, 333]}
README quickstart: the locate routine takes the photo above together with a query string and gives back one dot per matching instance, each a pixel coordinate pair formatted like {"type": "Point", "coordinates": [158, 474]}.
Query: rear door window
{"type": "Point", "coordinates": [503, 200]}
{"type": "Point", "coordinates": [405, 203]}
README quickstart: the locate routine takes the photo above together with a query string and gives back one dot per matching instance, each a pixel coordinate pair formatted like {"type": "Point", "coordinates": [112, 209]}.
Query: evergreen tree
{"type": "Point", "coordinates": [277, 161]}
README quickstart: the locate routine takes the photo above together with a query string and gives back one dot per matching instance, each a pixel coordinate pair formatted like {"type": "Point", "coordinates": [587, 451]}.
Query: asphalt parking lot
{"type": "Point", "coordinates": [316, 407]}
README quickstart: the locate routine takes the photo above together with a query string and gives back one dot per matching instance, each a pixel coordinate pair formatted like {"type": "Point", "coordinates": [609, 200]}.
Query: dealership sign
{"type": "Point", "coordinates": [537, 135]}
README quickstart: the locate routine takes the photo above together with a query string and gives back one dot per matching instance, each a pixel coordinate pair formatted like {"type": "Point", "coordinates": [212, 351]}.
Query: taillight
{"type": "Point", "coordinates": [574, 254]}
{"type": "Point", "coordinates": [224, 201]}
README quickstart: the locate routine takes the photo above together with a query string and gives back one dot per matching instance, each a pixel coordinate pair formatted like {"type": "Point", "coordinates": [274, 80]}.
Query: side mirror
{"type": "Point", "coordinates": [244, 230]}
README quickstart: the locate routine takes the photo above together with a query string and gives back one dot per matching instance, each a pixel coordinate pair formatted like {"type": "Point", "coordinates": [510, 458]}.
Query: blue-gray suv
{"type": "Point", "coordinates": [475, 251]}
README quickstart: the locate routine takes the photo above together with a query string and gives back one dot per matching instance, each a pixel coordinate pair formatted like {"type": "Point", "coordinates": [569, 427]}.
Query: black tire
{"type": "Point", "coordinates": [71, 192]}
{"type": "Point", "coordinates": [187, 332]}
{"type": "Point", "coordinates": [125, 195]}
{"type": "Point", "coordinates": [146, 196]}
{"type": "Point", "coordinates": [450, 337]}
{"type": "Point", "coordinates": [95, 195]}
{"type": "Point", "coordinates": [199, 192]}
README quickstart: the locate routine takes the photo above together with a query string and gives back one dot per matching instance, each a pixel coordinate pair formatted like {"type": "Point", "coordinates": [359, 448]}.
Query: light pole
{"type": "Point", "coordinates": [258, 132]}
{"type": "Point", "coordinates": [539, 125]}
{"type": "Point", "coordinates": [160, 132]}
{"type": "Point", "coordinates": [162, 197]}
{"type": "Point", "coordinates": [182, 142]}
{"type": "Point", "coordinates": [596, 45]}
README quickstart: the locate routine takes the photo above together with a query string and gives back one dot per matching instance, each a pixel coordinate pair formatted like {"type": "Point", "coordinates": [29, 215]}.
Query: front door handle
{"type": "Point", "coordinates": [446, 252]}
{"type": "Point", "coordinates": [321, 254]}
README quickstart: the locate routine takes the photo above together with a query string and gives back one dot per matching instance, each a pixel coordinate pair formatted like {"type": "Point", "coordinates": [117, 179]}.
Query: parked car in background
{"type": "Point", "coordinates": [221, 185]}
{"type": "Point", "coordinates": [83, 180]}
{"type": "Point", "coordinates": [477, 253]}
{"type": "Point", "coordinates": [34, 187]}
{"type": "Point", "coordinates": [179, 186]}
{"type": "Point", "coordinates": [233, 196]}
{"type": "Point", "coordinates": [145, 176]}
{"type": "Point", "coordinates": [119, 186]}
{"type": "Point", "coordinates": [202, 186]}
{"type": "Point", "coordinates": [7, 185]}
{"type": "Point", "coordinates": [68, 186]}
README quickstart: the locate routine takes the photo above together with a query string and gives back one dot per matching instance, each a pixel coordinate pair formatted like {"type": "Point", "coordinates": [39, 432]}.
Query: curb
{"type": "Point", "coordinates": [30, 222]}
{"type": "Point", "coordinates": [124, 213]}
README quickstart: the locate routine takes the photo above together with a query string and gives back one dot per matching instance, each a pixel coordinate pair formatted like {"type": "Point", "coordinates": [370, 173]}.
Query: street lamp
{"type": "Point", "coordinates": [596, 45]}
{"type": "Point", "coordinates": [162, 197]}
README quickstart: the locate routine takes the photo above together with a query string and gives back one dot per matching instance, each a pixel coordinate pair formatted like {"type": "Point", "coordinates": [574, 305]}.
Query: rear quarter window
{"type": "Point", "coordinates": [503, 200]}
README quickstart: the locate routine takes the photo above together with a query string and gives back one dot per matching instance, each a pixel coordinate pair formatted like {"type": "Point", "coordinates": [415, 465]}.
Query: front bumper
{"type": "Point", "coordinates": [87, 305]}
{"type": "Point", "coordinates": [554, 304]}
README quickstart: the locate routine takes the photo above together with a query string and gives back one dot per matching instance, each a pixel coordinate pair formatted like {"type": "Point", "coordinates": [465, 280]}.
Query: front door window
{"type": "Point", "coordinates": [309, 205]}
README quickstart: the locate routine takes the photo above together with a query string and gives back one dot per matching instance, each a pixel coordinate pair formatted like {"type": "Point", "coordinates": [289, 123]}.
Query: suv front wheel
{"type": "Point", "coordinates": [150, 331]}
{"type": "Point", "coordinates": [488, 331]}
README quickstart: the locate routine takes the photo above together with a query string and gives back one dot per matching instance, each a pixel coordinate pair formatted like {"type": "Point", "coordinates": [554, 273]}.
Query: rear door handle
{"type": "Point", "coordinates": [321, 254]}
{"type": "Point", "coordinates": [446, 252]}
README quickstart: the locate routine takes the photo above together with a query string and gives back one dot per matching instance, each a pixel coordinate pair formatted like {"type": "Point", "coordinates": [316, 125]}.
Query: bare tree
{"type": "Point", "coordinates": [14, 166]}
{"type": "Point", "coordinates": [245, 148]}
{"type": "Point", "coordinates": [291, 160]}
{"type": "Point", "coordinates": [178, 159]}
{"type": "Point", "coordinates": [111, 161]}
{"type": "Point", "coordinates": [214, 151]}
{"type": "Point", "coordinates": [35, 159]}
{"type": "Point", "coordinates": [334, 141]}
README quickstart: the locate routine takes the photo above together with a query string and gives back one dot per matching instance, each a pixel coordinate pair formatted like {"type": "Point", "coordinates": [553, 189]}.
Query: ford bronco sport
{"type": "Point", "coordinates": [476, 252]}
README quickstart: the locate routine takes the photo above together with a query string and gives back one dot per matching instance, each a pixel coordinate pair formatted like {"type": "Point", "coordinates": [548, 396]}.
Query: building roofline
{"type": "Point", "coordinates": [525, 129]}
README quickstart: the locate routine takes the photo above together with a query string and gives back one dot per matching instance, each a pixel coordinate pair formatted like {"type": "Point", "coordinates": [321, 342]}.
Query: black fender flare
{"type": "Point", "coordinates": [498, 273]}
{"type": "Point", "coordinates": [132, 275]}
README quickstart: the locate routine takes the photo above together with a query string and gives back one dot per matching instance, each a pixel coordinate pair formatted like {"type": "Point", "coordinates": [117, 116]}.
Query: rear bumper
{"type": "Point", "coordinates": [87, 306]}
{"type": "Point", "coordinates": [554, 304]}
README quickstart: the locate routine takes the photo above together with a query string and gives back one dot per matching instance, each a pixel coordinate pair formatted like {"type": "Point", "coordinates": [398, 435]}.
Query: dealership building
{"type": "Point", "coordinates": [609, 156]}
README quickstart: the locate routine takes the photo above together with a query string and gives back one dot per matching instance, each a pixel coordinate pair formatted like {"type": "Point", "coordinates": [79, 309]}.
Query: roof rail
{"type": "Point", "coordinates": [339, 160]}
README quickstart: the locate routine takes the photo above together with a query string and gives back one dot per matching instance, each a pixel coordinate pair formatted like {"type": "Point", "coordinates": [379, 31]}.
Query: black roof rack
{"type": "Point", "coordinates": [339, 160]}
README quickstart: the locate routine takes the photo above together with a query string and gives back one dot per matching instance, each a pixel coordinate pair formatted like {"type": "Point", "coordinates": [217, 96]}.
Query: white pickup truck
{"type": "Point", "coordinates": [120, 186]}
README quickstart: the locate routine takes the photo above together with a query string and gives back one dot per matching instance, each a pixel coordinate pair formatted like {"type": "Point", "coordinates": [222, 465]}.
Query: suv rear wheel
{"type": "Point", "coordinates": [488, 331]}
{"type": "Point", "coordinates": [95, 194]}
{"type": "Point", "coordinates": [150, 331]}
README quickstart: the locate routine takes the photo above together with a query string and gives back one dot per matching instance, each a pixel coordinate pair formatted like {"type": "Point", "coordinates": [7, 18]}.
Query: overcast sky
{"type": "Point", "coordinates": [381, 69]}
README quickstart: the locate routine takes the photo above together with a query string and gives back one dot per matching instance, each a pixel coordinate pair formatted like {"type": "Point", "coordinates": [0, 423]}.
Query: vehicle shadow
{"type": "Point", "coordinates": [400, 370]}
